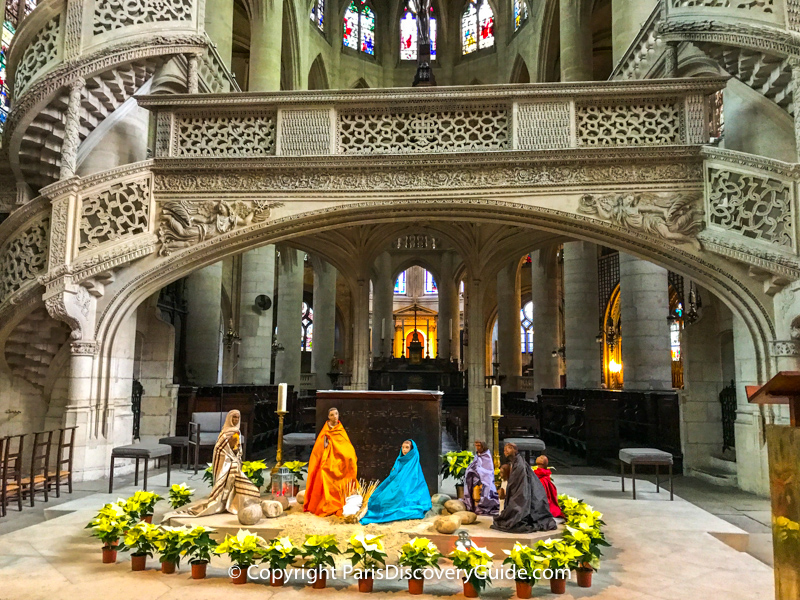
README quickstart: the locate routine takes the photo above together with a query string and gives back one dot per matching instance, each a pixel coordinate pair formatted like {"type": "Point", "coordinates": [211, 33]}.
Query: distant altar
{"type": "Point", "coordinates": [379, 422]}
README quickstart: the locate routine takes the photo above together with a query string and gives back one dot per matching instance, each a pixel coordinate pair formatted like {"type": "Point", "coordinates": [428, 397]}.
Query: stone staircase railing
{"type": "Point", "coordinates": [644, 53]}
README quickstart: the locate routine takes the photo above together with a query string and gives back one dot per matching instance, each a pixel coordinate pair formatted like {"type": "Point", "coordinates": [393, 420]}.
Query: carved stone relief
{"type": "Point", "coordinates": [122, 210]}
{"type": "Point", "coordinates": [24, 258]}
{"type": "Point", "coordinates": [42, 50]}
{"type": "Point", "coordinates": [116, 14]}
{"type": "Point", "coordinates": [232, 136]}
{"type": "Point", "coordinates": [305, 132]}
{"type": "Point", "coordinates": [543, 125]}
{"type": "Point", "coordinates": [766, 6]}
{"type": "Point", "coordinates": [649, 124]}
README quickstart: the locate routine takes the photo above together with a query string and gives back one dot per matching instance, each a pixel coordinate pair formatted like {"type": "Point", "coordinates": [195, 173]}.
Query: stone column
{"type": "Point", "coordinates": [576, 41]}
{"type": "Point", "coordinates": [544, 294]}
{"type": "Point", "coordinates": [644, 308]}
{"type": "Point", "coordinates": [266, 30]}
{"type": "Point", "coordinates": [509, 342]}
{"type": "Point", "coordinates": [795, 62]}
{"type": "Point", "coordinates": [449, 309]}
{"type": "Point", "coordinates": [192, 77]}
{"type": "Point", "coordinates": [322, 350]}
{"type": "Point", "coordinates": [361, 333]}
{"type": "Point", "coordinates": [581, 315]}
{"type": "Point", "coordinates": [72, 126]}
{"type": "Point", "coordinates": [627, 20]}
{"type": "Point", "coordinates": [476, 362]}
{"type": "Point", "coordinates": [203, 291]}
{"type": "Point", "coordinates": [255, 325]}
{"type": "Point", "coordinates": [290, 304]}
{"type": "Point", "coordinates": [219, 27]}
{"type": "Point", "coordinates": [382, 307]}
{"type": "Point", "coordinates": [671, 60]}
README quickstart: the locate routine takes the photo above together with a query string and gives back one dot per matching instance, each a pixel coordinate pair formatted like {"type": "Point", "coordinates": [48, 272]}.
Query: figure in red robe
{"type": "Point", "coordinates": [543, 472]}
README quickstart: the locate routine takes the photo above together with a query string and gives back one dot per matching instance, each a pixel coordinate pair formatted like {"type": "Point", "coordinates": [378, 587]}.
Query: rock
{"type": "Point", "coordinates": [439, 499]}
{"type": "Point", "coordinates": [455, 506]}
{"type": "Point", "coordinates": [271, 508]}
{"type": "Point", "coordinates": [250, 514]}
{"type": "Point", "coordinates": [435, 511]}
{"type": "Point", "coordinates": [301, 497]}
{"type": "Point", "coordinates": [447, 524]}
{"type": "Point", "coordinates": [467, 517]}
{"type": "Point", "coordinates": [282, 499]}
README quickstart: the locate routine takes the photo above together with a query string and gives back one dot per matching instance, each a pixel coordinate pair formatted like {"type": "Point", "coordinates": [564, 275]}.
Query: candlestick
{"type": "Point", "coordinates": [383, 329]}
{"type": "Point", "coordinates": [496, 452]}
{"type": "Point", "coordinates": [283, 390]}
{"type": "Point", "coordinates": [496, 401]}
{"type": "Point", "coordinates": [451, 330]}
{"type": "Point", "coordinates": [279, 453]}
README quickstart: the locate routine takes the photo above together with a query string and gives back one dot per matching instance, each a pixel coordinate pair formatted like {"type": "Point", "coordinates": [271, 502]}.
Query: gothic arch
{"type": "Point", "coordinates": [290, 49]}
{"type": "Point", "coordinates": [519, 73]}
{"type": "Point", "coordinates": [317, 75]}
{"type": "Point", "coordinates": [360, 84]}
{"type": "Point", "coordinates": [549, 46]}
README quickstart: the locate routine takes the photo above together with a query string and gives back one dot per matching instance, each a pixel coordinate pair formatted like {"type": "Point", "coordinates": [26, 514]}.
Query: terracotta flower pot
{"type": "Point", "coordinates": [469, 590]}
{"type": "Point", "coordinates": [109, 554]}
{"type": "Point", "coordinates": [524, 589]}
{"type": "Point", "coordinates": [138, 562]}
{"type": "Point", "coordinates": [585, 577]}
{"type": "Point", "coordinates": [322, 579]}
{"type": "Point", "coordinates": [148, 519]}
{"type": "Point", "coordinates": [415, 586]}
{"type": "Point", "coordinates": [199, 569]}
{"type": "Point", "coordinates": [241, 575]}
{"type": "Point", "coordinates": [168, 568]}
{"type": "Point", "coordinates": [558, 585]}
{"type": "Point", "coordinates": [365, 584]}
{"type": "Point", "coordinates": [276, 577]}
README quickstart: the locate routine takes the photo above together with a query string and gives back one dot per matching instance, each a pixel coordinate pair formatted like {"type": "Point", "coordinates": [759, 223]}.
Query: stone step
{"type": "Point", "coordinates": [719, 464]}
{"type": "Point", "coordinates": [710, 475]}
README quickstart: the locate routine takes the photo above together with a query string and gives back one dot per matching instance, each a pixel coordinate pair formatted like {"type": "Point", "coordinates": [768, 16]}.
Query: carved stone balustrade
{"type": "Point", "coordinates": [776, 13]}
{"type": "Point", "coordinates": [645, 52]}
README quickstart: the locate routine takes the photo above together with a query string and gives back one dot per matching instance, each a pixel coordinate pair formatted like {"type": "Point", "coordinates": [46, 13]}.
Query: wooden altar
{"type": "Point", "coordinates": [379, 422]}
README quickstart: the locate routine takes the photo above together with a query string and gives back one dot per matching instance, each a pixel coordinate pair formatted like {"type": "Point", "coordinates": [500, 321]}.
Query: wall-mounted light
{"type": "Point", "coordinates": [263, 302]}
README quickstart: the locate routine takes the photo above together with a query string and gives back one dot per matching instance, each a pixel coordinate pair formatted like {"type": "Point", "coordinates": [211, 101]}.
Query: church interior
{"type": "Point", "coordinates": [400, 284]}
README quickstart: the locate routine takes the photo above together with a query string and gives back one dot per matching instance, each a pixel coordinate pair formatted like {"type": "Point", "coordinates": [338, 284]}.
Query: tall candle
{"type": "Point", "coordinates": [496, 401]}
{"type": "Point", "coordinates": [383, 328]}
{"type": "Point", "coordinates": [451, 330]}
{"type": "Point", "coordinates": [283, 390]}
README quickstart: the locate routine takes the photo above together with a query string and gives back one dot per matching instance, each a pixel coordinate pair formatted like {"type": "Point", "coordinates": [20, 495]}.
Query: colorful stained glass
{"type": "Point", "coordinates": [469, 28]}
{"type": "Point", "coordinates": [367, 30]}
{"type": "Point", "coordinates": [307, 325]}
{"type": "Point", "coordinates": [526, 328]}
{"type": "Point", "coordinates": [350, 39]}
{"type": "Point", "coordinates": [400, 284]}
{"type": "Point", "coordinates": [675, 340]}
{"type": "Point", "coordinates": [408, 36]}
{"type": "Point", "coordinates": [486, 25]}
{"type": "Point", "coordinates": [520, 13]}
{"type": "Point", "coordinates": [5, 98]}
{"type": "Point", "coordinates": [318, 14]}
{"type": "Point", "coordinates": [430, 283]}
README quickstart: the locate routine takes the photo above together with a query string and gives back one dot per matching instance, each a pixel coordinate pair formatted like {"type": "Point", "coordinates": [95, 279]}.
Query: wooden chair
{"type": "Point", "coordinates": [62, 466]}
{"type": "Point", "coordinates": [12, 470]}
{"type": "Point", "coordinates": [40, 466]}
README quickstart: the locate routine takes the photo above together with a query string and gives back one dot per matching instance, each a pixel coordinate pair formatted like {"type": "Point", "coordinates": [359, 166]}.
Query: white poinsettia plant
{"type": "Point", "coordinates": [366, 550]}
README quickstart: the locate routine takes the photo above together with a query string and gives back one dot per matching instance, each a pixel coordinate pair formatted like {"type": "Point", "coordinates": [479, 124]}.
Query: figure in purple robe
{"type": "Point", "coordinates": [481, 473]}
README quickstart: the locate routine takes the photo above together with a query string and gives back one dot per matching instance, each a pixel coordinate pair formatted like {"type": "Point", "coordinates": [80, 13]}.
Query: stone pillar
{"type": "Point", "coordinates": [203, 292]}
{"type": "Point", "coordinates": [72, 126]}
{"type": "Point", "coordinates": [266, 30]}
{"type": "Point", "coordinates": [576, 41]}
{"type": "Point", "coordinates": [795, 62]}
{"type": "Point", "coordinates": [382, 307]}
{"type": "Point", "coordinates": [671, 60]}
{"type": "Point", "coordinates": [581, 316]}
{"type": "Point", "coordinates": [644, 308]}
{"type": "Point", "coordinates": [509, 342]}
{"type": "Point", "coordinates": [544, 294]}
{"type": "Point", "coordinates": [219, 27]}
{"type": "Point", "coordinates": [322, 350]}
{"type": "Point", "coordinates": [627, 20]}
{"type": "Point", "coordinates": [361, 334]}
{"type": "Point", "coordinates": [290, 304]}
{"type": "Point", "coordinates": [476, 362]}
{"type": "Point", "coordinates": [449, 309]}
{"type": "Point", "coordinates": [192, 77]}
{"type": "Point", "coordinates": [255, 325]}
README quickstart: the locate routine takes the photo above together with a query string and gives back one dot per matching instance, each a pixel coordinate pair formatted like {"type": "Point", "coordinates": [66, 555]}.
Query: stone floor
{"type": "Point", "coordinates": [661, 550]}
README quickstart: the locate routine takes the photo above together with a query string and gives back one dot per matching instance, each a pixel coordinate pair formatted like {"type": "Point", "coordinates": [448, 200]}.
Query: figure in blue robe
{"type": "Point", "coordinates": [403, 494]}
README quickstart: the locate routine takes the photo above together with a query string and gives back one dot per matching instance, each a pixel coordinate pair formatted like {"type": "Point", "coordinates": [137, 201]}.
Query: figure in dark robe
{"type": "Point", "coordinates": [526, 508]}
{"type": "Point", "coordinates": [480, 492]}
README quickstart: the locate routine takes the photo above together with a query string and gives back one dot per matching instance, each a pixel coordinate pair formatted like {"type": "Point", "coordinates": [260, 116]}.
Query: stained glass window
{"type": "Point", "coordinates": [408, 35]}
{"type": "Point", "coordinates": [318, 14]}
{"type": "Point", "coordinates": [5, 99]}
{"type": "Point", "coordinates": [520, 13]}
{"type": "Point", "coordinates": [430, 283]}
{"type": "Point", "coordinates": [477, 26]}
{"type": "Point", "coordinates": [307, 323]}
{"type": "Point", "coordinates": [675, 340]}
{"type": "Point", "coordinates": [359, 27]}
{"type": "Point", "coordinates": [526, 327]}
{"type": "Point", "coordinates": [400, 284]}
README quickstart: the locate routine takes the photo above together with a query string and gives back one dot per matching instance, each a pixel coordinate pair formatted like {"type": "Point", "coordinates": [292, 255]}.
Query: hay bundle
{"type": "Point", "coordinates": [358, 490]}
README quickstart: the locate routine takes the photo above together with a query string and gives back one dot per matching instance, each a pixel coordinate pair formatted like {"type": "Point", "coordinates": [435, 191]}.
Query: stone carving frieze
{"type": "Point", "coordinates": [41, 52]}
{"type": "Point", "coordinates": [110, 15]}
{"type": "Point", "coordinates": [185, 224]}
{"type": "Point", "coordinates": [543, 125]}
{"type": "Point", "coordinates": [754, 206]}
{"type": "Point", "coordinates": [305, 132]}
{"type": "Point", "coordinates": [646, 124]}
{"type": "Point", "coordinates": [224, 135]}
{"type": "Point", "coordinates": [767, 6]}
{"type": "Point", "coordinates": [676, 218]}
{"type": "Point", "coordinates": [770, 39]}
{"type": "Point", "coordinates": [745, 252]}
{"type": "Point", "coordinates": [24, 257]}
{"type": "Point", "coordinates": [785, 348]}
{"type": "Point", "coordinates": [120, 211]}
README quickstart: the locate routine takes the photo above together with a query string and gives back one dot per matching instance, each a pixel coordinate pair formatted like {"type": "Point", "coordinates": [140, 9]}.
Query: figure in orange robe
{"type": "Point", "coordinates": [331, 468]}
{"type": "Point", "coordinates": [544, 473]}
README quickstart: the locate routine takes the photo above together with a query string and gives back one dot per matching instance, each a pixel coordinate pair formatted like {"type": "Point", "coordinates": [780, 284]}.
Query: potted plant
{"type": "Point", "coordinates": [476, 562]}
{"type": "Point", "coordinates": [526, 564]}
{"type": "Point", "coordinates": [141, 539]}
{"type": "Point", "coordinates": [319, 551]}
{"type": "Point", "coordinates": [366, 552]}
{"type": "Point", "coordinates": [417, 555]}
{"type": "Point", "coordinates": [244, 549]}
{"type": "Point", "coordinates": [197, 548]}
{"type": "Point", "coordinates": [143, 503]}
{"type": "Point", "coordinates": [254, 470]}
{"type": "Point", "coordinates": [108, 526]}
{"type": "Point", "coordinates": [170, 545]}
{"type": "Point", "coordinates": [454, 464]}
{"type": "Point", "coordinates": [179, 495]}
{"type": "Point", "coordinates": [298, 469]}
{"type": "Point", "coordinates": [280, 553]}
{"type": "Point", "coordinates": [558, 556]}
{"type": "Point", "coordinates": [586, 536]}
